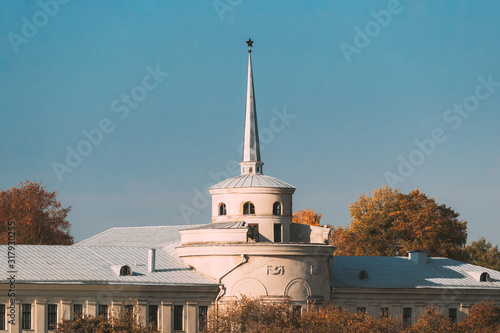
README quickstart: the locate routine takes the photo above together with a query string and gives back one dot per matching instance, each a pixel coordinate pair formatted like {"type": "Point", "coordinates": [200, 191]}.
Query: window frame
{"type": "Point", "coordinates": [77, 313]}
{"type": "Point", "coordinates": [100, 309]}
{"type": "Point", "coordinates": [202, 317]}
{"type": "Point", "coordinates": [2, 317]}
{"type": "Point", "coordinates": [278, 232]}
{"type": "Point", "coordinates": [361, 310]}
{"type": "Point", "coordinates": [248, 208]}
{"type": "Point", "coordinates": [26, 316]}
{"type": "Point", "coordinates": [125, 270]}
{"type": "Point", "coordinates": [453, 314]}
{"type": "Point", "coordinates": [253, 232]}
{"type": "Point", "coordinates": [51, 316]}
{"type": "Point", "coordinates": [222, 209]}
{"type": "Point", "coordinates": [178, 317]}
{"type": "Point", "coordinates": [277, 209]}
{"type": "Point", "coordinates": [384, 312]}
{"type": "Point", "coordinates": [153, 315]}
{"type": "Point", "coordinates": [407, 316]}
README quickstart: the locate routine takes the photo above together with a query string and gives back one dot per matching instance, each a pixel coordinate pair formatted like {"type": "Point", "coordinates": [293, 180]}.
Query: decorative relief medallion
{"type": "Point", "coordinates": [275, 270]}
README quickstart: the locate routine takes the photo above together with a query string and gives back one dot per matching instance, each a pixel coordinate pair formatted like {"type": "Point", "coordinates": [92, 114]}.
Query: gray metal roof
{"type": "Point", "coordinates": [155, 236]}
{"type": "Point", "coordinates": [251, 180]}
{"type": "Point", "coordinates": [225, 225]}
{"type": "Point", "coordinates": [95, 265]}
{"type": "Point", "coordinates": [400, 272]}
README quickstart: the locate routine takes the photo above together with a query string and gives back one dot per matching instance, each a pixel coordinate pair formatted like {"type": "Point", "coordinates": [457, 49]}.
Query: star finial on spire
{"type": "Point", "coordinates": [249, 44]}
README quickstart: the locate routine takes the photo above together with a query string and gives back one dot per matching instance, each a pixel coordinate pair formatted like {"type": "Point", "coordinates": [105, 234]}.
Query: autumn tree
{"type": "Point", "coordinates": [389, 223]}
{"type": "Point", "coordinates": [38, 216]}
{"type": "Point", "coordinates": [307, 216]}
{"type": "Point", "coordinates": [482, 253]}
{"type": "Point", "coordinates": [120, 321]}
{"type": "Point", "coordinates": [484, 317]}
{"type": "Point", "coordinates": [432, 321]}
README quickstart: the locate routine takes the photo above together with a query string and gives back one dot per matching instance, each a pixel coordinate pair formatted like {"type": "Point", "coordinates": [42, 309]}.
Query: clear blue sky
{"type": "Point", "coordinates": [364, 81]}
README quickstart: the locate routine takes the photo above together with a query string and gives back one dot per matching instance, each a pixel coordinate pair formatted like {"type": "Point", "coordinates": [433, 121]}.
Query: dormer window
{"type": "Point", "coordinates": [222, 209]}
{"type": "Point", "coordinates": [125, 270]}
{"type": "Point", "coordinates": [363, 275]}
{"type": "Point", "coordinates": [248, 208]}
{"type": "Point", "coordinates": [485, 277]}
{"type": "Point", "coordinates": [276, 208]}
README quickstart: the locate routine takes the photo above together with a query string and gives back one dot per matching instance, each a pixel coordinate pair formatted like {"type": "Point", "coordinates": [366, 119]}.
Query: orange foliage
{"type": "Point", "coordinates": [484, 317]}
{"type": "Point", "coordinates": [38, 216]}
{"type": "Point", "coordinates": [389, 223]}
{"type": "Point", "coordinates": [257, 315]}
{"type": "Point", "coordinates": [306, 217]}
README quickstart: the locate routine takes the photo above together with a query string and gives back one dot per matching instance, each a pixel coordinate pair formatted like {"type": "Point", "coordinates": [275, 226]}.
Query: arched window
{"type": "Point", "coordinates": [248, 208]}
{"type": "Point", "coordinates": [363, 275]}
{"type": "Point", "coordinates": [125, 270]}
{"type": "Point", "coordinates": [485, 277]}
{"type": "Point", "coordinates": [222, 209]}
{"type": "Point", "coordinates": [276, 208]}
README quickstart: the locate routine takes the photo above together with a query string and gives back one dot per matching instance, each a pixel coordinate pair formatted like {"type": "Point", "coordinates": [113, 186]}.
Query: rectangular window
{"type": "Point", "coordinates": [297, 310]}
{"type": "Point", "coordinates": [153, 316]}
{"type": "Point", "coordinates": [202, 317]}
{"type": "Point", "coordinates": [51, 316]}
{"type": "Point", "coordinates": [452, 314]}
{"type": "Point", "coordinates": [407, 316]}
{"type": "Point", "coordinates": [253, 232]}
{"type": "Point", "coordinates": [102, 310]}
{"type": "Point", "coordinates": [26, 317]}
{"type": "Point", "coordinates": [77, 310]}
{"type": "Point", "coordinates": [384, 312]}
{"type": "Point", "coordinates": [178, 317]}
{"type": "Point", "coordinates": [2, 316]}
{"type": "Point", "coordinates": [277, 233]}
{"type": "Point", "coordinates": [128, 308]}
{"type": "Point", "coordinates": [361, 310]}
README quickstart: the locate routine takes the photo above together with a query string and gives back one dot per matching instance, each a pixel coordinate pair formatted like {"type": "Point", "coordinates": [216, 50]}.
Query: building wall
{"type": "Point", "coordinates": [39, 297]}
{"type": "Point", "coordinates": [416, 299]}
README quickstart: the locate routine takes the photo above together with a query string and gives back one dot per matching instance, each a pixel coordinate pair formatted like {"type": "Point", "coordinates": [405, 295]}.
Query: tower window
{"type": "Point", "coordinates": [125, 270]}
{"type": "Point", "coordinates": [222, 209]}
{"type": "Point", "coordinates": [253, 232]}
{"type": "Point", "coordinates": [250, 170]}
{"type": "Point", "coordinates": [277, 233]}
{"type": "Point", "coordinates": [248, 208]}
{"type": "Point", "coordinates": [276, 208]}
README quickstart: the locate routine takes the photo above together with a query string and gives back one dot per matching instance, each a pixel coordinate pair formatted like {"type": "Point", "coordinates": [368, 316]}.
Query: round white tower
{"type": "Point", "coordinates": [252, 247]}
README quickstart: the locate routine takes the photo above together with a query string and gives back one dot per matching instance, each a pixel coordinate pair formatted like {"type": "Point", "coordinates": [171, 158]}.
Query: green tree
{"type": "Point", "coordinates": [389, 223]}
{"type": "Point", "coordinates": [39, 217]}
{"type": "Point", "coordinates": [482, 253]}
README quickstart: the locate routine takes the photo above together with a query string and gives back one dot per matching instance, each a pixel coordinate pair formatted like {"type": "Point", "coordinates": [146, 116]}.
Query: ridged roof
{"type": "Point", "coordinates": [152, 237]}
{"type": "Point", "coordinates": [225, 225]}
{"type": "Point", "coordinates": [252, 180]}
{"type": "Point", "coordinates": [94, 265]}
{"type": "Point", "coordinates": [400, 272]}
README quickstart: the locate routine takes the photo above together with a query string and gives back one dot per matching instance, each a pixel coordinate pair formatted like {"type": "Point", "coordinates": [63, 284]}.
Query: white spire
{"type": "Point", "coordinates": [251, 162]}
